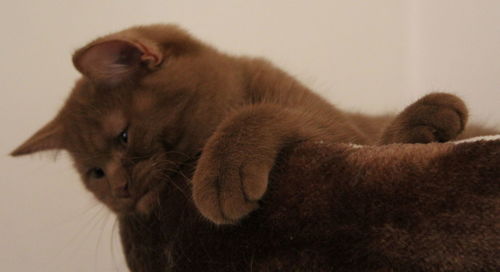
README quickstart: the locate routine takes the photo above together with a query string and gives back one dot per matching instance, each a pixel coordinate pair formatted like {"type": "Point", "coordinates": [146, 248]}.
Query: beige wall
{"type": "Point", "coordinates": [371, 56]}
{"type": "Point", "coordinates": [456, 47]}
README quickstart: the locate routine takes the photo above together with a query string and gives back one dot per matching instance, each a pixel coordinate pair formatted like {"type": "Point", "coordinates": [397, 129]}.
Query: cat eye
{"type": "Point", "coordinates": [123, 137]}
{"type": "Point", "coordinates": [96, 173]}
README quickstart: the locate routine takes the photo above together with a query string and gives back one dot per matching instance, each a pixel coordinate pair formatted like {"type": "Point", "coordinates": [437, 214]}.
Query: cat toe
{"type": "Point", "coordinates": [229, 195]}
{"type": "Point", "coordinates": [437, 117]}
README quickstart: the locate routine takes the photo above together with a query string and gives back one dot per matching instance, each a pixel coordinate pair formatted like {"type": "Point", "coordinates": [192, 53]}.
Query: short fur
{"type": "Point", "coordinates": [163, 127]}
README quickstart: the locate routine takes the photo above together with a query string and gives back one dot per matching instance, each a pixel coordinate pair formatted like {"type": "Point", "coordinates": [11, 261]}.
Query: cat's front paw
{"type": "Point", "coordinates": [436, 117]}
{"type": "Point", "coordinates": [227, 187]}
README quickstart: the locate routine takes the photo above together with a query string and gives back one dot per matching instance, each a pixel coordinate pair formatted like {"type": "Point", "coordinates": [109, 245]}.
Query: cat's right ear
{"type": "Point", "coordinates": [113, 61]}
{"type": "Point", "coordinates": [47, 138]}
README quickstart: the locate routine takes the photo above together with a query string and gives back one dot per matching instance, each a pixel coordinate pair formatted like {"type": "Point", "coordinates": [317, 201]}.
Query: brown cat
{"type": "Point", "coordinates": [156, 107]}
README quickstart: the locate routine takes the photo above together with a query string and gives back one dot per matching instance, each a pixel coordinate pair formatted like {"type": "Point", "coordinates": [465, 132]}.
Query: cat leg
{"type": "Point", "coordinates": [436, 117]}
{"type": "Point", "coordinates": [232, 173]}
{"type": "Point", "coordinates": [370, 125]}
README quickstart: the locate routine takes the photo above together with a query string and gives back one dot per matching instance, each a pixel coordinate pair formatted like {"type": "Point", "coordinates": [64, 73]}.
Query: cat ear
{"type": "Point", "coordinates": [114, 60]}
{"type": "Point", "coordinates": [48, 137]}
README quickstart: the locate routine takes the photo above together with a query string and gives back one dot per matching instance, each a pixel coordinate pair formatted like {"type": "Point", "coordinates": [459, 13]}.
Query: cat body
{"type": "Point", "coordinates": [174, 136]}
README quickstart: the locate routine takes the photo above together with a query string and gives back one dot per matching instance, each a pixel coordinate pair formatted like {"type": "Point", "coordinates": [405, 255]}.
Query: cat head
{"type": "Point", "coordinates": [148, 99]}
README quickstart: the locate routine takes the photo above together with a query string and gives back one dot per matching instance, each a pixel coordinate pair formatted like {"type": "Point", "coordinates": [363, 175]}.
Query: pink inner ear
{"type": "Point", "coordinates": [148, 56]}
{"type": "Point", "coordinates": [114, 60]}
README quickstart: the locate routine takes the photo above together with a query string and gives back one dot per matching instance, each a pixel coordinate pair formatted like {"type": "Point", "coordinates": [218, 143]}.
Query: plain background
{"type": "Point", "coordinates": [371, 56]}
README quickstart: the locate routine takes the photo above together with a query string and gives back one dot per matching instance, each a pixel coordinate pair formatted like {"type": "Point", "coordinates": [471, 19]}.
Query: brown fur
{"type": "Point", "coordinates": [177, 98]}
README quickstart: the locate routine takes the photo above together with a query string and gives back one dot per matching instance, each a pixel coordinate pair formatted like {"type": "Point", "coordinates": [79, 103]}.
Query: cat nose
{"type": "Point", "coordinates": [118, 179]}
{"type": "Point", "coordinates": [119, 186]}
{"type": "Point", "coordinates": [121, 191]}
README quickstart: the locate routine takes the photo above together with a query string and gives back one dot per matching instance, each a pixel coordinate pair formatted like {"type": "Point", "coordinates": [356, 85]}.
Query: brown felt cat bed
{"type": "Point", "coordinates": [340, 207]}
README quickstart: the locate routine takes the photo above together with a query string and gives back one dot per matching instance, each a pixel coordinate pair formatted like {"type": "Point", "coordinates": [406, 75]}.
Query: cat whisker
{"type": "Point", "coordinates": [89, 222]}
{"type": "Point", "coordinates": [188, 179]}
{"type": "Point", "coordinates": [113, 231]}
{"type": "Point", "coordinates": [103, 224]}
{"type": "Point", "coordinates": [81, 213]}
{"type": "Point", "coordinates": [169, 179]}
{"type": "Point", "coordinates": [178, 153]}
{"type": "Point", "coordinates": [139, 157]}
{"type": "Point", "coordinates": [81, 233]}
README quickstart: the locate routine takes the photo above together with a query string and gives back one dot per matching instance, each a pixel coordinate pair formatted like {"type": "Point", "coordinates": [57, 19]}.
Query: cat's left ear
{"type": "Point", "coordinates": [116, 59]}
{"type": "Point", "coordinates": [47, 138]}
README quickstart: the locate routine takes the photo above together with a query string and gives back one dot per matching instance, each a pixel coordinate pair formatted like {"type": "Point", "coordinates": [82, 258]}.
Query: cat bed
{"type": "Point", "coordinates": [341, 207]}
{"type": "Point", "coordinates": [399, 207]}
